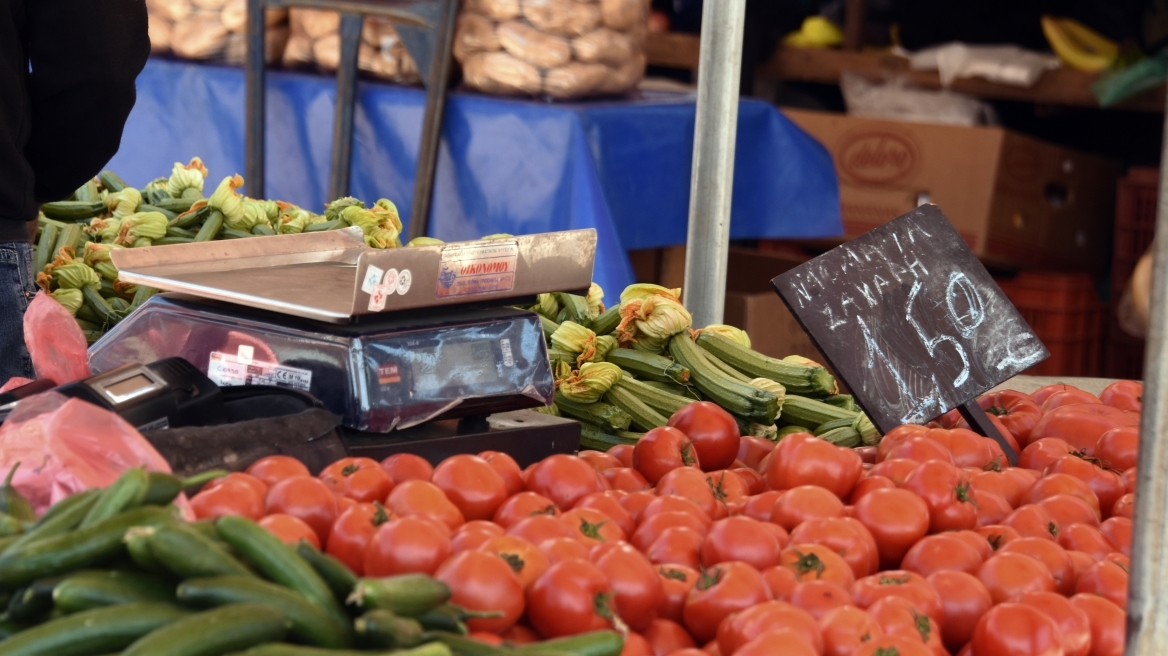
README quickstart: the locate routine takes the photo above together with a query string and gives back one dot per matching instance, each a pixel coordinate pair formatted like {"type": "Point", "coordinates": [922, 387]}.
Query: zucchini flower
{"type": "Point", "coordinates": [157, 184]}
{"type": "Point", "coordinates": [589, 383]}
{"type": "Point", "coordinates": [187, 181]}
{"type": "Point", "coordinates": [229, 201]}
{"type": "Point", "coordinates": [497, 235]}
{"type": "Point", "coordinates": [386, 210]}
{"type": "Point", "coordinates": [97, 256]}
{"type": "Point", "coordinates": [425, 241]}
{"type": "Point", "coordinates": [647, 323]}
{"type": "Point", "coordinates": [574, 338]}
{"type": "Point", "coordinates": [293, 220]}
{"type": "Point", "coordinates": [141, 229]}
{"type": "Point", "coordinates": [76, 275]}
{"type": "Point", "coordinates": [106, 230]}
{"type": "Point", "coordinates": [730, 332]}
{"type": "Point", "coordinates": [755, 429]}
{"type": "Point", "coordinates": [595, 300]}
{"type": "Point", "coordinates": [548, 410]}
{"type": "Point", "coordinates": [806, 362]}
{"type": "Point", "coordinates": [604, 345]}
{"type": "Point", "coordinates": [253, 214]}
{"type": "Point", "coordinates": [125, 289]}
{"type": "Point", "coordinates": [868, 433]}
{"type": "Point", "coordinates": [547, 305]}
{"type": "Point", "coordinates": [768, 385]}
{"type": "Point", "coordinates": [70, 299]}
{"type": "Point", "coordinates": [333, 211]}
{"type": "Point", "coordinates": [557, 356]}
{"type": "Point", "coordinates": [645, 290]}
{"type": "Point", "coordinates": [123, 203]}
{"type": "Point", "coordinates": [377, 226]}
{"type": "Point", "coordinates": [271, 209]}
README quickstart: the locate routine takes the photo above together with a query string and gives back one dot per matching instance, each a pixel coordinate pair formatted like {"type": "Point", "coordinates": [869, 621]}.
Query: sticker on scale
{"type": "Point", "coordinates": [227, 370]}
{"type": "Point", "coordinates": [505, 347]}
{"type": "Point", "coordinates": [404, 280]}
{"type": "Point", "coordinates": [477, 268]}
{"type": "Point", "coordinates": [377, 297]}
{"type": "Point", "coordinates": [388, 373]}
{"type": "Point", "coordinates": [373, 277]}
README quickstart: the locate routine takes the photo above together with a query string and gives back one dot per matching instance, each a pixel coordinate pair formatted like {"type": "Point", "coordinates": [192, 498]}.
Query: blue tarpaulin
{"type": "Point", "coordinates": [515, 166]}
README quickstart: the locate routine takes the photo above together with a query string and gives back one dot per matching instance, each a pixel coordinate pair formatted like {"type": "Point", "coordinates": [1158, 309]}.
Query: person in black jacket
{"type": "Point", "coordinates": [67, 71]}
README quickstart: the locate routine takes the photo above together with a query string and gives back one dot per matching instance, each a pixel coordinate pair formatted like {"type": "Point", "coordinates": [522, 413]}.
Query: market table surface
{"type": "Point", "coordinates": [506, 165]}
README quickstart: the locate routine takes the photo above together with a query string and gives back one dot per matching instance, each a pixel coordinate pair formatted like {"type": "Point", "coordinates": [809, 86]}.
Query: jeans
{"type": "Point", "coordinates": [17, 287]}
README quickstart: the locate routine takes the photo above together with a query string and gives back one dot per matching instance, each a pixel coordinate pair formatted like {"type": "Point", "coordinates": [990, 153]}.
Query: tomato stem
{"type": "Point", "coordinates": [381, 515]}
{"type": "Point", "coordinates": [675, 574]}
{"type": "Point", "coordinates": [708, 578]}
{"type": "Point", "coordinates": [514, 561]}
{"type": "Point", "coordinates": [687, 454]}
{"type": "Point", "coordinates": [807, 563]}
{"type": "Point", "coordinates": [349, 470]}
{"type": "Point", "coordinates": [921, 623]}
{"type": "Point", "coordinates": [592, 530]}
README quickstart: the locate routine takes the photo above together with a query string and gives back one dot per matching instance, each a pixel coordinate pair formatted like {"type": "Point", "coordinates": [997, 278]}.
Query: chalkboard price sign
{"type": "Point", "coordinates": [911, 320]}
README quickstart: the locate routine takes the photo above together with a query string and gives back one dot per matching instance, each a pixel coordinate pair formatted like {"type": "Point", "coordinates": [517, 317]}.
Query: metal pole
{"type": "Point", "coordinates": [350, 31]}
{"type": "Point", "coordinates": [253, 148]}
{"type": "Point", "coordinates": [1147, 619]}
{"type": "Point", "coordinates": [712, 181]}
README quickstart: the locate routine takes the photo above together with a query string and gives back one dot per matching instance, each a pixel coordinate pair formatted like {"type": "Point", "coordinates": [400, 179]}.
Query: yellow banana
{"type": "Point", "coordinates": [1079, 46]}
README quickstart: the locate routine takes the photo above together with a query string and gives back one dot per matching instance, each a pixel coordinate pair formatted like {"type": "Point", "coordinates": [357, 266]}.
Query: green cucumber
{"type": "Point", "coordinates": [94, 590]}
{"type": "Point", "coordinates": [593, 643]}
{"type": "Point", "coordinates": [736, 397]}
{"type": "Point", "coordinates": [799, 379]}
{"type": "Point", "coordinates": [597, 439]}
{"type": "Point", "coordinates": [92, 632]}
{"type": "Point", "coordinates": [644, 417]}
{"type": "Point", "coordinates": [380, 628]}
{"type": "Point", "coordinates": [211, 227]}
{"type": "Point", "coordinates": [33, 601]}
{"type": "Point", "coordinates": [281, 649]}
{"type": "Point", "coordinates": [408, 595]}
{"type": "Point", "coordinates": [649, 366]}
{"type": "Point", "coordinates": [188, 553]}
{"type": "Point", "coordinates": [607, 321]}
{"type": "Point", "coordinates": [810, 413]}
{"type": "Point", "coordinates": [214, 632]}
{"type": "Point", "coordinates": [72, 210]}
{"type": "Point", "coordinates": [337, 576]}
{"type": "Point", "coordinates": [64, 553]}
{"type": "Point", "coordinates": [466, 646]}
{"type": "Point", "coordinates": [138, 547]}
{"type": "Point", "coordinates": [111, 182]}
{"type": "Point", "coordinates": [276, 561]}
{"type": "Point", "coordinates": [310, 623]}
{"type": "Point", "coordinates": [603, 415]}
{"type": "Point", "coordinates": [149, 207]}
{"type": "Point", "coordinates": [126, 492]}
{"type": "Point", "coordinates": [661, 401]}
{"type": "Point", "coordinates": [161, 488]}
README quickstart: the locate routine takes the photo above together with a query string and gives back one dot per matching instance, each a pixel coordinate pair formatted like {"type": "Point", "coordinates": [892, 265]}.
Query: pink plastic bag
{"type": "Point", "coordinates": [14, 382]}
{"type": "Point", "coordinates": [66, 445]}
{"type": "Point", "coordinates": [55, 341]}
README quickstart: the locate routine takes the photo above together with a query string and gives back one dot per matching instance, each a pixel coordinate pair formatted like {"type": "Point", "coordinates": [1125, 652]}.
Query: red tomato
{"type": "Point", "coordinates": [1118, 531]}
{"type": "Point", "coordinates": [625, 478]}
{"type": "Point", "coordinates": [894, 437]}
{"type": "Point", "coordinates": [846, 629]}
{"type": "Point", "coordinates": [1056, 559]}
{"type": "Point", "coordinates": [894, 469]}
{"type": "Point", "coordinates": [667, 637]}
{"type": "Point", "coordinates": [937, 553]}
{"type": "Point", "coordinates": [1013, 628]}
{"type": "Point", "coordinates": [564, 479]}
{"type": "Point", "coordinates": [592, 527]}
{"type": "Point", "coordinates": [1124, 506]}
{"type": "Point", "coordinates": [611, 508]}
{"type": "Point", "coordinates": [230, 497]}
{"type": "Point", "coordinates": [524, 505]}
{"type": "Point", "coordinates": [676, 582]}
{"type": "Point", "coordinates": [654, 527]}
{"type": "Point", "coordinates": [352, 532]}
{"type": "Point", "coordinates": [406, 545]}
{"type": "Point", "coordinates": [1082, 561]}
{"type": "Point", "coordinates": [1009, 488]}
{"type": "Point", "coordinates": [805, 502]}
{"type": "Point", "coordinates": [1129, 480]}
{"type": "Point", "coordinates": [964, 599]}
{"type": "Point", "coordinates": [967, 448]}
{"type": "Point", "coordinates": [690, 483]}
{"type": "Point", "coordinates": [636, 645]}
{"type": "Point", "coordinates": [896, 519]}
{"type": "Point", "coordinates": [1052, 484]}
{"type": "Point", "coordinates": [755, 483]}
{"type": "Point", "coordinates": [819, 597]}
{"type": "Point", "coordinates": [623, 453]}
{"type": "Point", "coordinates": [801, 459]}
{"type": "Point", "coordinates": [740, 539]}
{"type": "Point", "coordinates": [675, 503]}
{"type": "Point", "coordinates": [291, 530]}
{"type": "Point", "coordinates": [403, 467]}
{"type": "Point", "coordinates": [487, 637]}
{"type": "Point", "coordinates": [480, 581]}
{"type": "Point", "coordinates": [1105, 484]}
{"type": "Point", "coordinates": [882, 645]}
{"type": "Point", "coordinates": [678, 545]}
{"type": "Point", "coordinates": [973, 539]}
{"type": "Point", "coordinates": [845, 536]}
{"type": "Point", "coordinates": [344, 503]}
{"type": "Point", "coordinates": [898, 583]}
{"type": "Point", "coordinates": [1067, 509]}
{"type": "Point", "coordinates": [1007, 576]}
{"type": "Point", "coordinates": [760, 505]}
{"type": "Point", "coordinates": [360, 479]}
{"type": "Point", "coordinates": [272, 469]}
{"type": "Point", "coordinates": [991, 508]}
{"type": "Point", "coordinates": [719, 593]}
{"type": "Point", "coordinates": [752, 622]}
{"type": "Point", "coordinates": [751, 450]}
{"type": "Point", "coordinates": [636, 502]}
{"type": "Point", "coordinates": [867, 484]}
{"type": "Point", "coordinates": [1042, 452]}
{"type": "Point", "coordinates": [663, 450]}
{"type": "Point", "coordinates": [254, 483]}
{"type": "Point", "coordinates": [945, 490]}
{"type": "Point", "coordinates": [558, 550]}
{"type": "Point", "coordinates": [1068, 397]}
{"type": "Point", "coordinates": [571, 597]}
{"type": "Point", "coordinates": [635, 583]}
{"type": "Point", "coordinates": [1085, 538]}
{"type": "Point", "coordinates": [525, 559]}
{"type": "Point", "coordinates": [506, 467]}
{"type": "Point", "coordinates": [920, 449]}
{"type": "Point", "coordinates": [998, 535]}
{"type": "Point", "coordinates": [599, 460]}
{"type": "Point", "coordinates": [1106, 578]}
{"type": "Point", "coordinates": [1033, 522]}
{"type": "Point", "coordinates": [1108, 624]}
{"type": "Point", "coordinates": [1017, 411]}
{"type": "Point", "coordinates": [815, 562]}
{"type": "Point", "coordinates": [306, 498]}
{"type": "Point", "coordinates": [1124, 394]}
{"type": "Point", "coordinates": [537, 528]}
{"type": "Point", "coordinates": [729, 487]}
{"type": "Point", "coordinates": [1041, 394]}
{"type": "Point", "coordinates": [712, 430]}
{"type": "Point", "coordinates": [1082, 425]}
{"type": "Point", "coordinates": [424, 498]}
{"type": "Point", "coordinates": [472, 485]}
{"type": "Point", "coordinates": [780, 582]}
{"type": "Point", "coordinates": [777, 642]}
{"type": "Point", "coordinates": [898, 616]}
{"type": "Point", "coordinates": [520, 635]}
{"type": "Point", "coordinates": [1073, 624]}
{"type": "Point", "coordinates": [1118, 448]}
{"type": "Point", "coordinates": [473, 535]}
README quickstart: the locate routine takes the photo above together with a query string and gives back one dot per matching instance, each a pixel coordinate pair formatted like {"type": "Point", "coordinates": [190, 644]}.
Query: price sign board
{"type": "Point", "coordinates": [911, 320]}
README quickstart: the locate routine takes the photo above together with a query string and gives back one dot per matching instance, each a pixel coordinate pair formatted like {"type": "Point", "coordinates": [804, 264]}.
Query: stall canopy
{"type": "Point", "coordinates": [505, 165]}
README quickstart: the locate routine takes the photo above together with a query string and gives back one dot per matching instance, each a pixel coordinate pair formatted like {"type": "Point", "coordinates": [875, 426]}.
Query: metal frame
{"type": "Point", "coordinates": [353, 13]}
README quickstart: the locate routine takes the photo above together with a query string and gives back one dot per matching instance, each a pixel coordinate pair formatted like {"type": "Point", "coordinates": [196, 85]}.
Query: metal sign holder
{"type": "Point", "coordinates": [426, 28]}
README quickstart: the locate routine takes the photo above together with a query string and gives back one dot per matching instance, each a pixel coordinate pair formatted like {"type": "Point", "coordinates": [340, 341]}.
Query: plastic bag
{"type": "Point", "coordinates": [899, 100]}
{"type": "Point", "coordinates": [55, 341]}
{"type": "Point", "coordinates": [65, 446]}
{"type": "Point", "coordinates": [213, 30]}
{"type": "Point", "coordinates": [1002, 64]}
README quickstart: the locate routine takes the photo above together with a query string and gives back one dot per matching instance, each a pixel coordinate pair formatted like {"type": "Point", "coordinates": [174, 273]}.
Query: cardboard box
{"type": "Point", "coordinates": [751, 304]}
{"type": "Point", "coordinates": [1017, 201]}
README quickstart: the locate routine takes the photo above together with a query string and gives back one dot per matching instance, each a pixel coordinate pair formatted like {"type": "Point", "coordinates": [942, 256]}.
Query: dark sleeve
{"type": "Point", "coordinates": [85, 56]}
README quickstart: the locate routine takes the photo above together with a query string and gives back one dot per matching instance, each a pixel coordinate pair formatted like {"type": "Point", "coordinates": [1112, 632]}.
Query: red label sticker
{"type": "Point", "coordinates": [388, 373]}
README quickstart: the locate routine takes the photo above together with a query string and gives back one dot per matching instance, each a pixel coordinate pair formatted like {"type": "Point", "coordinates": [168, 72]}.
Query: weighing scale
{"type": "Point", "coordinates": [410, 347]}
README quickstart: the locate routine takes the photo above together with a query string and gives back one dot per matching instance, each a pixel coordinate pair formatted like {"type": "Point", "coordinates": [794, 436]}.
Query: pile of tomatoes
{"type": "Point", "coordinates": [697, 541]}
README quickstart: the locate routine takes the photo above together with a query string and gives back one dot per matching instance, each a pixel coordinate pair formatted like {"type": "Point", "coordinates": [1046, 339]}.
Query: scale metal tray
{"type": "Point", "coordinates": [334, 277]}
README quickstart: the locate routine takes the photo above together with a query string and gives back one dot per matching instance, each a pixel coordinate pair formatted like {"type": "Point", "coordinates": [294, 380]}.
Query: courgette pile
{"type": "Point", "coordinates": [117, 571]}
{"type": "Point", "coordinates": [625, 370]}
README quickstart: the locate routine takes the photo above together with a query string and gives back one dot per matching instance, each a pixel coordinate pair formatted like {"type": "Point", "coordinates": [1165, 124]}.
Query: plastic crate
{"type": "Point", "coordinates": [1066, 313]}
{"type": "Point", "coordinates": [1136, 198]}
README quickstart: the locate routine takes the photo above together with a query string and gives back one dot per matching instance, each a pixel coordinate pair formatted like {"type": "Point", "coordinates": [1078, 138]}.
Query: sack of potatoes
{"type": "Point", "coordinates": [315, 42]}
{"type": "Point", "coordinates": [211, 30]}
{"type": "Point", "coordinates": [562, 49]}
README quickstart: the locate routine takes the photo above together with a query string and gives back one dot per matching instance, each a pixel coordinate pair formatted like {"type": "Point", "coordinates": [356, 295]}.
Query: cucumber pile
{"type": "Point", "coordinates": [768, 397]}
{"type": "Point", "coordinates": [117, 571]}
